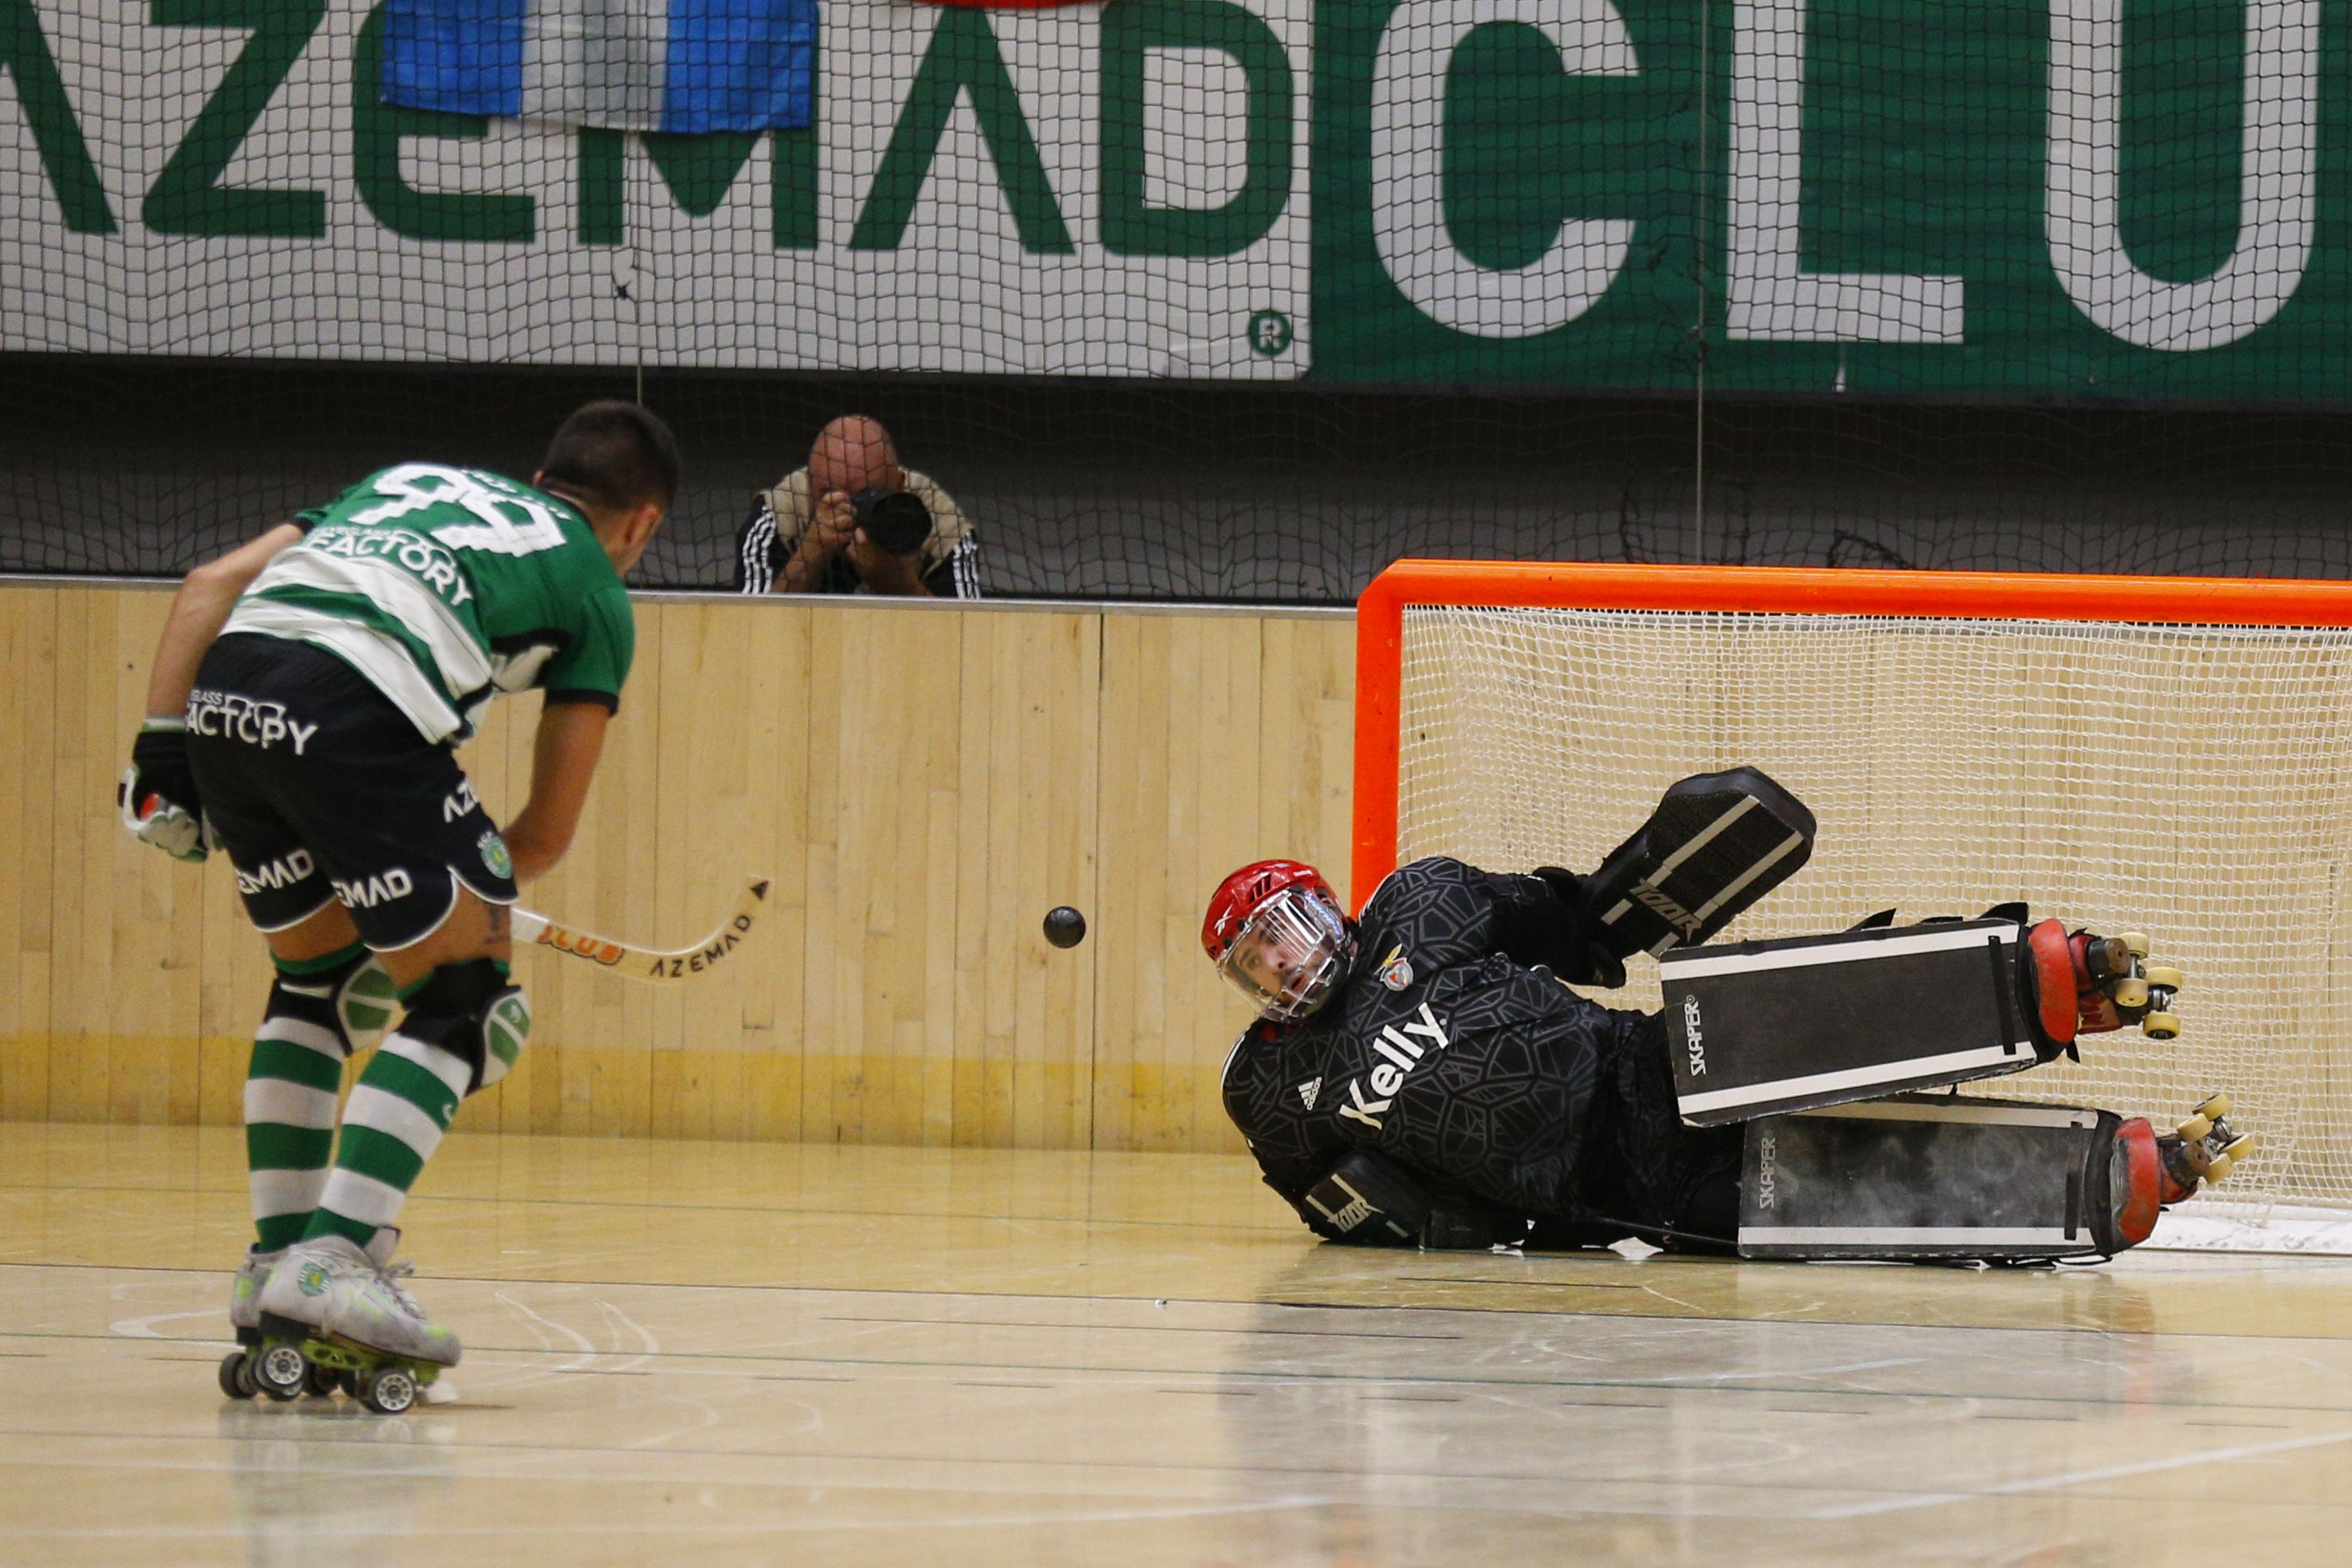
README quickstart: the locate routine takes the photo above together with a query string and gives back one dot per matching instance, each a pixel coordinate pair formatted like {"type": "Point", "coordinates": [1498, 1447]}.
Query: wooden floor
{"type": "Point", "coordinates": [721, 1353]}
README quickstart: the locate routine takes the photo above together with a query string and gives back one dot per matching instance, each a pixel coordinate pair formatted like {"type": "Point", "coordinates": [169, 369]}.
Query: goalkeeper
{"type": "Point", "coordinates": [306, 698]}
{"type": "Point", "coordinates": [1423, 1074]}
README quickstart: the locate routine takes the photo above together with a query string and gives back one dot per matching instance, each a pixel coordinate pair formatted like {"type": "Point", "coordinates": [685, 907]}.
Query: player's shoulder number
{"type": "Point", "coordinates": [511, 521]}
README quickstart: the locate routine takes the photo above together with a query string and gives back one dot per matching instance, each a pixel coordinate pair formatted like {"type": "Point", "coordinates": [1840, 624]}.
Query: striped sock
{"type": "Point", "coordinates": [392, 1124]}
{"type": "Point", "coordinates": [290, 1094]}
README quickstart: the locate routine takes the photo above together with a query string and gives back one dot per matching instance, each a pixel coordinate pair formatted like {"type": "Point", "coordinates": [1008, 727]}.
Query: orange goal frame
{"type": "Point", "coordinates": [1759, 590]}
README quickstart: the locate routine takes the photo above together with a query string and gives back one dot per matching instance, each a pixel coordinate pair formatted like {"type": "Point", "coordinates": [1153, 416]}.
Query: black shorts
{"type": "Point", "coordinates": [323, 791]}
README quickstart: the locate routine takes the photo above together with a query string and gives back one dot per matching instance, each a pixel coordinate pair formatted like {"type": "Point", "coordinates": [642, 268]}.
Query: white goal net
{"type": "Point", "coordinates": [2191, 781]}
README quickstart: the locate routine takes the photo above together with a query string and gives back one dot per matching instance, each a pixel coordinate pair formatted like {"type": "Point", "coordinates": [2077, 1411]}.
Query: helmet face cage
{"type": "Point", "coordinates": [1286, 957]}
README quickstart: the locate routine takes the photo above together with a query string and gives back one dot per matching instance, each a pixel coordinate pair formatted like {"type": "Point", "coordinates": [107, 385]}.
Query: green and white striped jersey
{"type": "Point", "coordinates": [446, 587]}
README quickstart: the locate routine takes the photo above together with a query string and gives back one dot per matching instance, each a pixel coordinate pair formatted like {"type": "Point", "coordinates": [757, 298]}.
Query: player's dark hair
{"type": "Point", "coordinates": [613, 455]}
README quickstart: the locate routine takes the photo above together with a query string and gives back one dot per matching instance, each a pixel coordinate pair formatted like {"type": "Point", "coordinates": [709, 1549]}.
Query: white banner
{"type": "Point", "coordinates": [1084, 191]}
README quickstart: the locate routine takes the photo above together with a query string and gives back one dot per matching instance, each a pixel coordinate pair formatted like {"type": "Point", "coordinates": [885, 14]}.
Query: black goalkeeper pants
{"type": "Point", "coordinates": [1646, 1173]}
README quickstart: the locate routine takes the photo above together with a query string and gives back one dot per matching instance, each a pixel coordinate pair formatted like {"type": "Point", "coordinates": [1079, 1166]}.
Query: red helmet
{"type": "Point", "coordinates": [1275, 931]}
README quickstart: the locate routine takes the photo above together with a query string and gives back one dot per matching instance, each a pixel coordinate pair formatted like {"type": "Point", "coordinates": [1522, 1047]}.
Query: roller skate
{"type": "Point", "coordinates": [332, 1316]}
{"type": "Point", "coordinates": [2087, 985]}
{"type": "Point", "coordinates": [2202, 1151]}
{"type": "Point", "coordinates": [2160, 1170]}
{"type": "Point", "coordinates": [236, 1379]}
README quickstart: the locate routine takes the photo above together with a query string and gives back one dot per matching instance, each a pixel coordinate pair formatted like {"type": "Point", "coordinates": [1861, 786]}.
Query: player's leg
{"type": "Point", "coordinates": [1674, 1184]}
{"type": "Point", "coordinates": [466, 1023]}
{"type": "Point", "coordinates": [1963, 1178]}
{"type": "Point", "coordinates": [464, 1026]}
{"type": "Point", "coordinates": [328, 997]}
{"type": "Point", "coordinates": [1801, 1022]}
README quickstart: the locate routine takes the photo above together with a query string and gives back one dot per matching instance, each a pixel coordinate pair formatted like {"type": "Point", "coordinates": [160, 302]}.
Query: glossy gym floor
{"type": "Point", "coordinates": [743, 1353]}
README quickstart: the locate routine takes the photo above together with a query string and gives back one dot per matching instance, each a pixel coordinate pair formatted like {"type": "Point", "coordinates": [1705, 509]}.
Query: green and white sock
{"type": "Point", "coordinates": [290, 1084]}
{"type": "Point", "coordinates": [391, 1123]}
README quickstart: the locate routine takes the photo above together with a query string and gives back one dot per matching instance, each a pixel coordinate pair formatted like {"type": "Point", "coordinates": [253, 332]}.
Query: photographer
{"type": "Point", "coordinates": [854, 521]}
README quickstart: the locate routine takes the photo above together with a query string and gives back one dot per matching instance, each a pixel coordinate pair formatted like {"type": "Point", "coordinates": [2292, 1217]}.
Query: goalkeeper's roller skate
{"type": "Point", "coordinates": [332, 1316]}
{"type": "Point", "coordinates": [2089, 984]}
{"type": "Point", "coordinates": [2202, 1150]}
{"type": "Point", "coordinates": [2167, 1168]}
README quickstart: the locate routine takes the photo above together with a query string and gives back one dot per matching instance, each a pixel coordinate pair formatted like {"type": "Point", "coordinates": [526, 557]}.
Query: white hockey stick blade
{"type": "Point", "coordinates": [649, 965]}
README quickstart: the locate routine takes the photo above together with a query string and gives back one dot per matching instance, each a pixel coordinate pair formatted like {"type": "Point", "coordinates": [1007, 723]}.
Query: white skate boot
{"type": "Point", "coordinates": [244, 1322]}
{"type": "Point", "coordinates": [328, 1309]}
{"type": "Point", "coordinates": [252, 1273]}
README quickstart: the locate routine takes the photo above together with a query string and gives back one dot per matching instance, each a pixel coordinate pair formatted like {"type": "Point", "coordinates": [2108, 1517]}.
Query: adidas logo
{"type": "Point", "coordinates": [1308, 1090]}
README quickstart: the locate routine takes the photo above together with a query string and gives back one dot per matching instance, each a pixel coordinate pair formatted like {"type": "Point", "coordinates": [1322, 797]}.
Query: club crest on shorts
{"type": "Point", "coordinates": [1396, 969]}
{"type": "Point", "coordinates": [494, 854]}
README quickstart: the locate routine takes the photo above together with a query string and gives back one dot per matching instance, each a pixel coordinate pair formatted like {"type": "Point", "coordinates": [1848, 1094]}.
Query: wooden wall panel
{"type": "Point", "coordinates": [921, 784]}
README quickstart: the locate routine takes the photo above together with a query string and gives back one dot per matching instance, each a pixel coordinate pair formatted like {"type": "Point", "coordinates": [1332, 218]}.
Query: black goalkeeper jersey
{"type": "Point", "coordinates": [1452, 1049]}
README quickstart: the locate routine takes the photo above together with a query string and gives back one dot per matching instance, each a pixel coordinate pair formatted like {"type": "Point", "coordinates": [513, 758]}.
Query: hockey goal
{"type": "Point", "coordinates": [2165, 754]}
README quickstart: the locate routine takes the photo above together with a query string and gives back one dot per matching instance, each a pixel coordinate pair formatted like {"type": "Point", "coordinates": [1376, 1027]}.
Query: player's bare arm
{"type": "Point", "coordinates": [158, 793]}
{"type": "Point", "coordinates": [563, 758]}
{"type": "Point", "coordinates": [199, 609]}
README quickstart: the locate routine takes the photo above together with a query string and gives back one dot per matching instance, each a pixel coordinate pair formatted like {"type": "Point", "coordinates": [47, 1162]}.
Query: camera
{"type": "Point", "coordinates": [894, 521]}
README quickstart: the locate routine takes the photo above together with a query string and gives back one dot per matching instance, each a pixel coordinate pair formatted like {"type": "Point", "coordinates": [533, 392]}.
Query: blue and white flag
{"type": "Point", "coordinates": [685, 66]}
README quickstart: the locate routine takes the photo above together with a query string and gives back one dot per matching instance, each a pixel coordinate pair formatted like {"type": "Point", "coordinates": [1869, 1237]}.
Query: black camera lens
{"type": "Point", "coordinates": [896, 522]}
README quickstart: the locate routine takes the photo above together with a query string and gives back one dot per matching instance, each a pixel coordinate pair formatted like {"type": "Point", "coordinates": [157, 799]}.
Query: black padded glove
{"type": "Point", "coordinates": [158, 793]}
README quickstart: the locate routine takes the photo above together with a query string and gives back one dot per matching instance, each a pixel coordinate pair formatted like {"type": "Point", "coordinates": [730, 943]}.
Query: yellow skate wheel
{"type": "Point", "coordinates": [2129, 992]}
{"type": "Point", "coordinates": [2238, 1148]}
{"type": "Point", "coordinates": [2219, 1170]}
{"type": "Point", "coordinates": [2160, 1026]}
{"type": "Point", "coordinates": [2166, 975]}
{"type": "Point", "coordinates": [2193, 1131]}
{"type": "Point", "coordinates": [2135, 943]}
{"type": "Point", "coordinates": [2214, 1105]}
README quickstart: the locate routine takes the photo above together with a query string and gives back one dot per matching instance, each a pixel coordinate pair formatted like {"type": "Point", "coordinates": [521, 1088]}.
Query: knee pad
{"type": "Point", "coordinates": [350, 996]}
{"type": "Point", "coordinates": [472, 1011]}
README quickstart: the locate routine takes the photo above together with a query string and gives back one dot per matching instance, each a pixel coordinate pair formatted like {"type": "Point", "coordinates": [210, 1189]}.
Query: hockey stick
{"type": "Point", "coordinates": [648, 965]}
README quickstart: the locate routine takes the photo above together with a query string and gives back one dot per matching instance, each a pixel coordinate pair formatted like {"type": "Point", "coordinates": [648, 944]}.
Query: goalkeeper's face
{"type": "Point", "coordinates": [1288, 958]}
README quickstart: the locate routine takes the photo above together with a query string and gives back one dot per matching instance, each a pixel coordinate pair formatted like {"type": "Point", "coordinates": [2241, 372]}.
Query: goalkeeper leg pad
{"type": "Point", "coordinates": [1716, 843]}
{"type": "Point", "coordinates": [1755, 1027]}
{"type": "Point", "coordinates": [1918, 1178]}
{"type": "Point", "coordinates": [471, 1011]}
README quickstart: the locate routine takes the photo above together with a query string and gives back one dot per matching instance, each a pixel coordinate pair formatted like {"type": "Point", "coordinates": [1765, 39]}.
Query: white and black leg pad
{"type": "Point", "coordinates": [1755, 1027]}
{"type": "Point", "coordinates": [1716, 843]}
{"type": "Point", "coordinates": [472, 1012]}
{"type": "Point", "coordinates": [1922, 1177]}
{"type": "Point", "coordinates": [1371, 1202]}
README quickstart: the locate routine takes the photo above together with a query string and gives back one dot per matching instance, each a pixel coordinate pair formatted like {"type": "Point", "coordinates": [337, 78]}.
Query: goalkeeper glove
{"type": "Point", "coordinates": [158, 793]}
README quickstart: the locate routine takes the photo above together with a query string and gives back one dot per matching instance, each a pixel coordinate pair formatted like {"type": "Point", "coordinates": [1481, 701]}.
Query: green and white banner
{"type": "Point", "coordinates": [2065, 198]}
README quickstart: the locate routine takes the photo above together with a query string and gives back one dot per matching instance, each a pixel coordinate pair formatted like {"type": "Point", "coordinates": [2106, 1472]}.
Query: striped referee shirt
{"type": "Point", "coordinates": [781, 516]}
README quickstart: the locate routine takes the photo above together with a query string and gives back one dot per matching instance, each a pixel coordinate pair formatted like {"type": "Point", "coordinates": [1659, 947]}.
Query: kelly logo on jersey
{"type": "Point", "coordinates": [239, 717]}
{"type": "Point", "coordinates": [1404, 1054]}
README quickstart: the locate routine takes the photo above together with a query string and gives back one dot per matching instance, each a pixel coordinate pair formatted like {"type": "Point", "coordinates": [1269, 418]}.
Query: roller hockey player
{"type": "Point", "coordinates": [306, 700]}
{"type": "Point", "coordinates": [1425, 1076]}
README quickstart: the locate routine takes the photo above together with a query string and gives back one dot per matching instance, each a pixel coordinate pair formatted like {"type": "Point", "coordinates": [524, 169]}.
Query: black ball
{"type": "Point", "coordinates": [1064, 927]}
